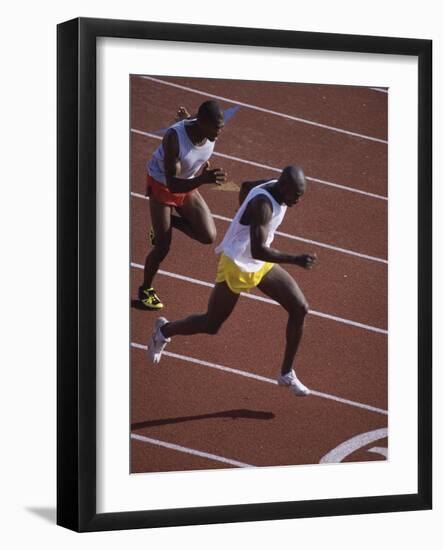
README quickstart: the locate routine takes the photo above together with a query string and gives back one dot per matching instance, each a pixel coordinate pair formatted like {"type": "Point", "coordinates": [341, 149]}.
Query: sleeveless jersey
{"type": "Point", "coordinates": [192, 157]}
{"type": "Point", "coordinates": [237, 241]}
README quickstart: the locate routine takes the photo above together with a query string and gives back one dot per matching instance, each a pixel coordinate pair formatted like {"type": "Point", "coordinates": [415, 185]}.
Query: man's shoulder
{"type": "Point", "coordinates": [172, 130]}
{"type": "Point", "coordinates": [261, 204]}
{"type": "Point", "coordinates": [260, 194]}
{"type": "Point", "coordinates": [170, 139]}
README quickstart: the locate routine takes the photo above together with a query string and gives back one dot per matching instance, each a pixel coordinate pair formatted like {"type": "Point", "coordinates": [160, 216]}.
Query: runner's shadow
{"type": "Point", "coordinates": [233, 414]}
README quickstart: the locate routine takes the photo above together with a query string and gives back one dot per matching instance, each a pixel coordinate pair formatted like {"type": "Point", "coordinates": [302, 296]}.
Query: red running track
{"type": "Point", "coordinates": [192, 401]}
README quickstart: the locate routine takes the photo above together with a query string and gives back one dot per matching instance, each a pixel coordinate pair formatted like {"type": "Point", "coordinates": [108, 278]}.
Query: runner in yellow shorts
{"type": "Point", "coordinates": [247, 261]}
{"type": "Point", "coordinates": [237, 280]}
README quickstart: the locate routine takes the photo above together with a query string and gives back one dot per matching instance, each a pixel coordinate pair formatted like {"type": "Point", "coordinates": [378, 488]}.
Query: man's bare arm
{"type": "Point", "coordinates": [261, 213]}
{"type": "Point", "coordinates": [173, 168]}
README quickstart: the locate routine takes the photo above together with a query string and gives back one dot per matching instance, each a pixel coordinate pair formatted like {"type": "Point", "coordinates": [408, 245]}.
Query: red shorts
{"type": "Point", "coordinates": [162, 194]}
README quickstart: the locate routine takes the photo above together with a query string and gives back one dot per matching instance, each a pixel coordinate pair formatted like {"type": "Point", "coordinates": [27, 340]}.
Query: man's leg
{"type": "Point", "coordinates": [281, 287]}
{"type": "Point", "coordinates": [220, 306]}
{"type": "Point", "coordinates": [161, 222]}
{"type": "Point", "coordinates": [195, 219]}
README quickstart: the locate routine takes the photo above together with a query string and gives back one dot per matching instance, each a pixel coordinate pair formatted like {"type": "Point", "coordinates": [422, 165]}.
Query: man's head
{"type": "Point", "coordinates": [292, 184]}
{"type": "Point", "coordinates": [210, 119]}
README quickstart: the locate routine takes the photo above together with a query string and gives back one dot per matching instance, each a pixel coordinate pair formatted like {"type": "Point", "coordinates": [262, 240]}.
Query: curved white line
{"type": "Point", "coordinates": [383, 451]}
{"type": "Point", "coordinates": [352, 445]}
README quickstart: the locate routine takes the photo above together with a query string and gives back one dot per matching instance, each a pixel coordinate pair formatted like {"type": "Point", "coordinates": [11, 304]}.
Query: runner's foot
{"type": "Point", "coordinates": [291, 381]}
{"type": "Point", "coordinates": [157, 342]}
{"type": "Point", "coordinates": [148, 297]}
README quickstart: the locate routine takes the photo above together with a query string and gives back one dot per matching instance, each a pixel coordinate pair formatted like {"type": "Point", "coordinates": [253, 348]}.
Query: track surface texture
{"type": "Point", "coordinates": [213, 401]}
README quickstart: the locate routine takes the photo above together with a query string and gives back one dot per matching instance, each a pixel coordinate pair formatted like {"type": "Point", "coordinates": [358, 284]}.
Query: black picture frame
{"type": "Point", "coordinates": [76, 278]}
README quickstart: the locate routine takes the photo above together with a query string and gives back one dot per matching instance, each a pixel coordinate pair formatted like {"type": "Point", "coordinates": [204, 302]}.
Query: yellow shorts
{"type": "Point", "coordinates": [239, 281]}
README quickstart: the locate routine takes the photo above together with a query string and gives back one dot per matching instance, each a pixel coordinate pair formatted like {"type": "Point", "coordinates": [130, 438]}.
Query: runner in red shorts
{"type": "Point", "coordinates": [178, 167]}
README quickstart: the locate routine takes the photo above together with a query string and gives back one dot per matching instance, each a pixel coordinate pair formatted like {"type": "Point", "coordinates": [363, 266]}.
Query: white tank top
{"type": "Point", "coordinates": [237, 241]}
{"type": "Point", "coordinates": [192, 157]}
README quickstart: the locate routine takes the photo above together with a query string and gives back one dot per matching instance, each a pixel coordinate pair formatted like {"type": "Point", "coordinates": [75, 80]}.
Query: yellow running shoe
{"type": "Point", "coordinates": [148, 297]}
{"type": "Point", "coordinates": [152, 236]}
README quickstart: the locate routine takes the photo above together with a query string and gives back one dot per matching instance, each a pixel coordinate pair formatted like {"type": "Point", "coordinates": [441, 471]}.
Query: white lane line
{"type": "Point", "coordinates": [247, 374]}
{"type": "Point", "coordinates": [383, 451]}
{"type": "Point", "coordinates": [295, 238]}
{"type": "Point", "coordinates": [354, 444]}
{"type": "Point", "coordinates": [323, 182]}
{"type": "Point", "coordinates": [274, 169]}
{"type": "Point", "coordinates": [345, 188]}
{"type": "Point", "coordinates": [269, 301]}
{"type": "Point", "coordinates": [380, 90]}
{"type": "Point", "coordinates": [335, 248]}
{"type": "Point", "coordinates": [263, 110]}
{"type": "Point", "coordinates": [190, 451]}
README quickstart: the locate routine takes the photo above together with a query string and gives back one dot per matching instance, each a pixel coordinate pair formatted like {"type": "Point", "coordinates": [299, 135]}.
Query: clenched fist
{"type": "Point", "coordinates": [216, 175]}
{"type": "Point", "coordinates": [305, 260]}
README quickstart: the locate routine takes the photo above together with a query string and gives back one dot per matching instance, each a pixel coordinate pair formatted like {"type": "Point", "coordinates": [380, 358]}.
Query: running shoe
{"type": "Point", "coordinates": [148, 297]}
{"type": "Point", "coordinates": [291, 381]}
{"type": "Point", "coordinates": [157, 342]}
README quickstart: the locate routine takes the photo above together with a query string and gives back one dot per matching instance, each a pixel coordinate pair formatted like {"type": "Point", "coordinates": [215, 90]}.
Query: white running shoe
{"type": "Point", "coordinates": [157, 342]}
{"type": "Point", "coordinates": [290, 380]}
